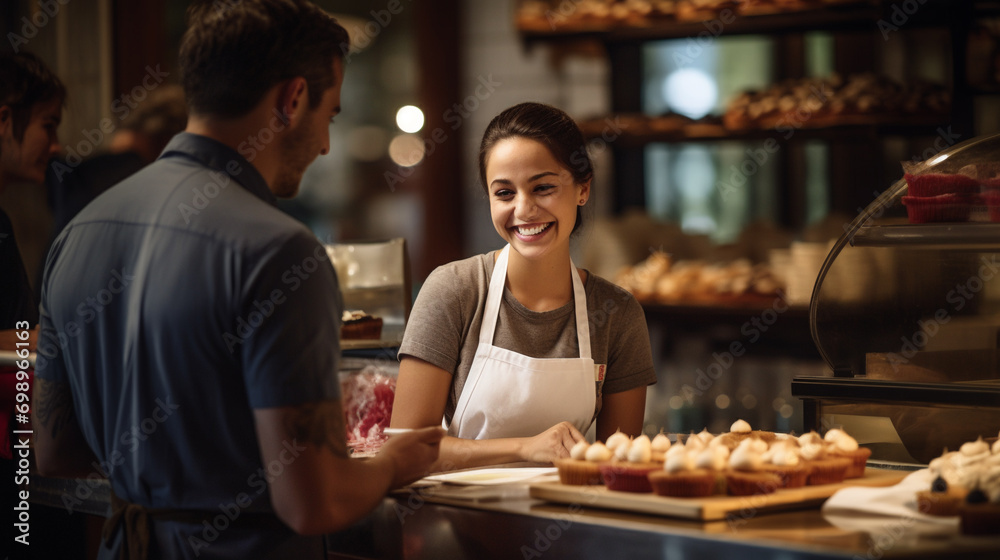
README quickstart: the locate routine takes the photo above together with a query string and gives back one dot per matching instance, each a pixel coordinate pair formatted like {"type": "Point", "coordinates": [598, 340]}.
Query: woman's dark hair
{"type": "Point", "coordinates": [547, 125]}
{"type": "Point", "coordinates": [236, 50]}
{"type": "Point", "coordinates": [25, 81]}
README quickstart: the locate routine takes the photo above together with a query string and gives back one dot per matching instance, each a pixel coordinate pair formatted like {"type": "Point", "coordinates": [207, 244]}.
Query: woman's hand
{"type": "Point", "coordinates": [551, 444]}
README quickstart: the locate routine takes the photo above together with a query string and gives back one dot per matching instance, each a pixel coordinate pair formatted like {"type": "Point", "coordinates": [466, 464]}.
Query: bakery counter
{"type": "Point", "coordinates": [417, 525]}
{"type": "Point", "coordinates": [504, 522]}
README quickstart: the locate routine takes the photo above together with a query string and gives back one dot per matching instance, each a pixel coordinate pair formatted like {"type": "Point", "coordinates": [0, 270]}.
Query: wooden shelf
{"type": "Point", "coordinates": [863, 15]}
{"type": "Point", "coordinates": [876, 127]}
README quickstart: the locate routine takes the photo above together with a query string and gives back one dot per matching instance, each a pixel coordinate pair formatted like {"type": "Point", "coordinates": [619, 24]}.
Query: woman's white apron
{"type": "Point", "coordinates": [512, 395]}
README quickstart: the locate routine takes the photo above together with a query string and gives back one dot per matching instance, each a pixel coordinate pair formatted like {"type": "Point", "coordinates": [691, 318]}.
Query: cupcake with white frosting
{"type": "Point", "coordinates": [680, 476]}
{"type": "Point", "coordinates": [582, 467]}
{"type": "Point", "coordinates": [783, 459]}
{"type": "Point", "coordinates": [629, 474]}
{"type": "Point", "coordinates": [616, 439]}
{"type": "Point", "coordinates": [660, 445]}
{"type": "Point", "coordinates": [839, 444]}
{"type": "Point", "coordinates": [823, 467]}
{"type": "Point", "coordinates": [744, 473]}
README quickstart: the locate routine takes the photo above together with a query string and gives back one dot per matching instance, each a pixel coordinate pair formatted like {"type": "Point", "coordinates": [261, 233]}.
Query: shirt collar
{"type": "Point", "coordinates": [216, 155]}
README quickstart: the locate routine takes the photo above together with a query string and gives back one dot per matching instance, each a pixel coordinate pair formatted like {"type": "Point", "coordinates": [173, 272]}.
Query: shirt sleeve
{"type": "Point", "coordinates": [630, 359]}
{"type": "Point", "coordinates": [289, 324]}
{"type": "Point", "coordinates": [438, 324]}
{"type": "Point", "coordinates": [49, 362]}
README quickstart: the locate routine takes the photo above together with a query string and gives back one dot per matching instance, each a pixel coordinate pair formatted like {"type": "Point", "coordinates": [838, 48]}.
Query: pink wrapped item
{"type": "Point", "coordinates": [367, 396]}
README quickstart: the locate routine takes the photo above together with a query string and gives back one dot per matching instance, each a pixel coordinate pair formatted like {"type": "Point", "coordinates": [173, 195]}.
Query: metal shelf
{"type": "Point", "coordinates": [928, 235]}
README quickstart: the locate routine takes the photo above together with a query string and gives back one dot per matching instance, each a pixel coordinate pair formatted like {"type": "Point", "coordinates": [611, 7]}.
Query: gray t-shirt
{"type": "Point", "coordinates": [443, 328]}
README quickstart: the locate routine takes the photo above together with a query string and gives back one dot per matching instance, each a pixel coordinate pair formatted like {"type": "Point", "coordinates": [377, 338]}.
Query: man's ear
{"type": "Point", "coordinates": [293, 100]}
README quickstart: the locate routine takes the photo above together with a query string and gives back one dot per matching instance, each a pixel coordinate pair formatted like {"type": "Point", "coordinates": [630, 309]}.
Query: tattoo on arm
{"type": "Point", "coordinates": [53, 407]}
{"type": "Point", "coordinates": [319, 423]}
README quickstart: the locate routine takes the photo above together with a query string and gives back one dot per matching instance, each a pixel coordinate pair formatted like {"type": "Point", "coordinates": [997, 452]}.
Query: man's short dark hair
{"type": "Point", "coordinates": [25, 81]}
{"type": "Point", "coordinates": [236, 50]}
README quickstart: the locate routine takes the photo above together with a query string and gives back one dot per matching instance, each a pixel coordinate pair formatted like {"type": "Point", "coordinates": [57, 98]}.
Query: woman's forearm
{"type": "Point", "coordinates": [457, 453]}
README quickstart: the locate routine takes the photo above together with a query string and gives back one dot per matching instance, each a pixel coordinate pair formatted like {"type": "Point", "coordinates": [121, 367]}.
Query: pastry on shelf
{"type": "Point", "coordinates": [833, 101]}
{"type": "Point", "coordinates": [703, 10]}
{"type": "Point", "coordinates": [659, 279]}
{"type": "Point", "coordinates": [534, 15]}
{"type": "Point", "coordinates": [358, 325]}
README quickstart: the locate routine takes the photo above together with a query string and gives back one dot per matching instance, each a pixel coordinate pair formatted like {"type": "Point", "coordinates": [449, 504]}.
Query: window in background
{"type": "Point", "coordinates": [717, 188]}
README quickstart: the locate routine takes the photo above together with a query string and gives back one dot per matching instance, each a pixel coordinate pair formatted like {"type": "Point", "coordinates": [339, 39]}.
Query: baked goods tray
{"type": "Point", "coordinates": [705, 509]}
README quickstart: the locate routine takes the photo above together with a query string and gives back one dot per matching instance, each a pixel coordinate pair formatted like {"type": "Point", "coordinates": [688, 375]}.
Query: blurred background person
{"type": "Point", "coordinates": [143, 134]}
{"type": "Point", "coordinates": [31, 103]}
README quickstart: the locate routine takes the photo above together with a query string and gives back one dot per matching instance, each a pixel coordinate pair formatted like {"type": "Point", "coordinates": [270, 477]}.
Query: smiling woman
{"type": "Point", "coordinates": [503, 346]}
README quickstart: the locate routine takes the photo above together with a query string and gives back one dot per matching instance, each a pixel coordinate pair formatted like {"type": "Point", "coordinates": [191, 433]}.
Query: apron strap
{"type": "Point", "coordinates": [493, 298]}
{"type": "Point", "coordinates": [582, 318]}
{"type": "Point", "coordinates": [495, 295]}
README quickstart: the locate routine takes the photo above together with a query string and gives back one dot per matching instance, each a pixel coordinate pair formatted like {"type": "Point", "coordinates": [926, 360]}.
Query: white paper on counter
{"type": "Point", "coordinates": [494, 476]}
{"type": "Point", "coordinates": [885, 508]}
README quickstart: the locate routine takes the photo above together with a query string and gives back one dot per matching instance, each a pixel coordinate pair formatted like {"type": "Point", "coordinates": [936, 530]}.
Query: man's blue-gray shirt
{"type": "Point", "coordinates": [174, 304]}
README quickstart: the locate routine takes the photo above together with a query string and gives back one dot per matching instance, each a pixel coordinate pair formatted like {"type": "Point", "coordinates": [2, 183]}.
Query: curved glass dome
{"type": "Point", "coordinates": [911, 291]}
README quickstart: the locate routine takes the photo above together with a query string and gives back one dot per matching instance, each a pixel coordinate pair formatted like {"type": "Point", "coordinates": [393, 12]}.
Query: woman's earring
{"type": "Point", "coordinates": [583, 201]}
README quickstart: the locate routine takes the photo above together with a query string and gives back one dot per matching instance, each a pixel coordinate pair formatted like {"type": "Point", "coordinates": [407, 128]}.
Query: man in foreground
{"type": "Point", "coordinates": [189, 342]}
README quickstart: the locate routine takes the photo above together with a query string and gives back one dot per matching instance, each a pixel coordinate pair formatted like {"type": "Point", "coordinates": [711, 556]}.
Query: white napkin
{"type": "Point", "coordinates": [869, 509]}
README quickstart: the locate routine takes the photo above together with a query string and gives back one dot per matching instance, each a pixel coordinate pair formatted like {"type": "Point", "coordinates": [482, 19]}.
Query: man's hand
{"type": "Point", "coordinates": [412, 453]}
{"type": "Point", "coordinates": [552, 444]}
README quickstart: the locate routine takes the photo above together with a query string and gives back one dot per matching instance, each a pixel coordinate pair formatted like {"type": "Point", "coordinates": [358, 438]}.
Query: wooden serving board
{"type": "Point", "coordinates": [710, 508]}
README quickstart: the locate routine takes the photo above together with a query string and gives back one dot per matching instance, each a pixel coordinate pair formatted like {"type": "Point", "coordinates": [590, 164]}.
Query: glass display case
{"type": "Point", "coordinates": [906, 312]}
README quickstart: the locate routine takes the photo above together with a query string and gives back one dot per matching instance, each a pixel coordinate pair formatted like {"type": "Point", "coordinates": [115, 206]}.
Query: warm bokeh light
{"type": "Point", "coordinates": [676, 402]}
{"type": "Point", "coordinates": [409, 118]}
{"type": "Point", "coordinates": [406, 150]}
